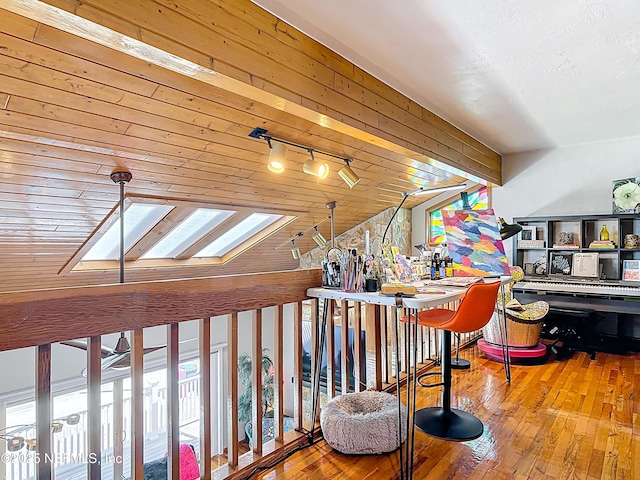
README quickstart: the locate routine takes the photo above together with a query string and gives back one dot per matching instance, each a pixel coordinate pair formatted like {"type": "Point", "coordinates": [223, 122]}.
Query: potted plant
{"type": "Point", "coordinates": [245, 377]}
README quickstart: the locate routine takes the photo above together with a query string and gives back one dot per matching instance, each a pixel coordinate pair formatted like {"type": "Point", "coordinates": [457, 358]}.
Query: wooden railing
{"type": "Point", "coordinates": [41, 318]}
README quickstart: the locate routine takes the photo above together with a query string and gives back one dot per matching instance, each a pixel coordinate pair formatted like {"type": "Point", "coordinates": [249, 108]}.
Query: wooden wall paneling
{"type": "Point", "coordinates": [173, 401]}
{"type": "Point", "coordinates": [358, 361]}
{"type": "Point", "coordinates": [344, 347]}
{"type": "Point", "coordinates": [137, 403]}
{"type": "Point", "coordinates": [232, 395]}
{"type": "Point", "coordinates": [204, 356]}
{"type": "Point", "coordinates": [229, 52]}
{"type": "Point", "coordinates": [44, 407]}
{"type": "Point", "coordinates": [257, 381]}
{"type": "Point", "coordinates": [298, 406]}
{"type": "Point", "coordinates": [278, 373]}
{"type": "Point", "coordinates": [94, 402]}
{"type": "Point", "coordinates": [331, 349]}
{"type": "Point", "coordinates": [373, 346]}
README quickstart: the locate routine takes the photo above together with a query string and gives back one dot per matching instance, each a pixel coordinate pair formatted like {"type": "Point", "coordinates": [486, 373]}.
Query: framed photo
{"type": "Point", "coordinates": [529, 269]}
{"type": "Point", "coordinates": [528, 233]}
{"type": "Point", "coordinates": [560, 263]}
{"type": "Point", "coordinates": [631, 270]}
{"type": "Point", "coordinates": [625, 195]}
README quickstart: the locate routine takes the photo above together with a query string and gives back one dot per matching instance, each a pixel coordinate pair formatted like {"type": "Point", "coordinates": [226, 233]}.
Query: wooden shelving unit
{"type": "Point", "coordinates": [583, 229]}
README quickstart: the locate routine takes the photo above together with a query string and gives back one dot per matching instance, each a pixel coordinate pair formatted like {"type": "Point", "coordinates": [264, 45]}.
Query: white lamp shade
{"type": "Point", "coordinates": [277, 154]}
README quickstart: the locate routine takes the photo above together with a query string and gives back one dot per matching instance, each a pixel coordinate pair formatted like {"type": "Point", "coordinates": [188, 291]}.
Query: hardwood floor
{"type": "Point", "coordinates": [573, 418]}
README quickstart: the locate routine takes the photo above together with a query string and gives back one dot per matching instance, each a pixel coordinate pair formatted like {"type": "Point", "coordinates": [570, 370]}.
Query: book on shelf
{"type": "Point", "coordinates": [602, 244]}
{"type": "Point", "coordinates": [530, 243]}
{"type": "Point", "coordinates": [565, 246]}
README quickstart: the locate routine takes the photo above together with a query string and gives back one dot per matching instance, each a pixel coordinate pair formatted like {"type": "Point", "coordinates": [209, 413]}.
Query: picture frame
{"type": "Point", "coordinates": [529, 269]}
{"type": "Point", "coordinates": [625, 195]}
{"type": "Point", "coordinates": [528, 233]}
{"type": "Point", "coordinates": [631, 270]}
{"type": "Point", "coordinates": [560, 263]}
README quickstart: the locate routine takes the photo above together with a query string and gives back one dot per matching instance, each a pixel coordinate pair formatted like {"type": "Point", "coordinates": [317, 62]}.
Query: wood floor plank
{"type": "Point", "coordinates": [575, 418]}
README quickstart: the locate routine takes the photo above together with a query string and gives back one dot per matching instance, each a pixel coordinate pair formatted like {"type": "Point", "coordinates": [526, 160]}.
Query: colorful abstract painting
{"type": "Point", "coordinates": [478, 200]}
{"type": "Point", "coordinates": [474, 243]}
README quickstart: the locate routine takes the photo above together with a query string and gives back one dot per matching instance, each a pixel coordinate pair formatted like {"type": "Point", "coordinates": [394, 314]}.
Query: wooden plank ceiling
{"type": "Point", "coordinates": [71, 110]}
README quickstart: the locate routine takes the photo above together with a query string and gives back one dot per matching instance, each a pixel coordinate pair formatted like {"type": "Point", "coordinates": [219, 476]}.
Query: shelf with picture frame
{"type": "Point", "coordinates": [577, 233]}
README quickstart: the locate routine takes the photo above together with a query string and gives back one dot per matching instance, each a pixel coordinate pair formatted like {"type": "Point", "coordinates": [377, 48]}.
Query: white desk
{"type": "Point", "coordinates": [414, 303]}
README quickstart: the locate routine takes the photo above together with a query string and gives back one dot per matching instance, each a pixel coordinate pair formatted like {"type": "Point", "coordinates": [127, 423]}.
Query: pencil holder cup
{"type": "Point", "coordinates": [332, 268]}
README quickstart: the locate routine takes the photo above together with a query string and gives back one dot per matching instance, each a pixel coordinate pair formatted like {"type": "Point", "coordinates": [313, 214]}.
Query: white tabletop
{"type": "Point", "coordinates": [421, 300]}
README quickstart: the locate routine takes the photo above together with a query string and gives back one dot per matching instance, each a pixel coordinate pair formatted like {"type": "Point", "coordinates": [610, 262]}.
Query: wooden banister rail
{"type": "Point", "coordinates": [40, 317]}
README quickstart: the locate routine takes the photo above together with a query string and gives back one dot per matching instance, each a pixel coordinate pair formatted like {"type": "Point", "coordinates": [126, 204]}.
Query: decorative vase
{"type": "Point", "coordinates": [604, 233]}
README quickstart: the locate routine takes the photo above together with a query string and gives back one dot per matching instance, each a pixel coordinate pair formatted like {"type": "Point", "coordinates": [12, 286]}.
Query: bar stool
{"type": "Point", "coordinates": [473, 313]}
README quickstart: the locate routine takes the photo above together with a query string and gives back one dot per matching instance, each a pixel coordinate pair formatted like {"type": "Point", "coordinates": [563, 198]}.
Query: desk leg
{"type": "Point", "coordinates": [315, 396]}
{"type": "Point", "coordinates": [505, 337]}
{"type": "Point", "coordinates": [398, 367]}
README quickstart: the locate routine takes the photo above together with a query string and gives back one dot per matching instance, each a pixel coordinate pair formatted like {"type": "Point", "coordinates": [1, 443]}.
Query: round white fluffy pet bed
{"type": "Point", "coordinates": [363, 423]}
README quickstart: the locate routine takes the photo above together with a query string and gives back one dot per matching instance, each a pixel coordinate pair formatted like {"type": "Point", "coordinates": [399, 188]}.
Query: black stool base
{"type": "Point", "coordinates": [450, 425]}
{"type": "Point", "coordinates": [460, 364]}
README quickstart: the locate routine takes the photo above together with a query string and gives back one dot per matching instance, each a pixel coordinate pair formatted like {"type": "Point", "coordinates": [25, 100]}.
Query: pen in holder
{"type": "Point", "coordinates": [332, 268]}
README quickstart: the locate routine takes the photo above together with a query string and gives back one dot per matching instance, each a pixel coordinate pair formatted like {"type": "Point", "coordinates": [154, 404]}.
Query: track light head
{"type": "Point", "coordinates": [348, 175]}
{"type": "Point", "coordinates": [295, 251]}
{"type": "Point", "coordinates": [277, 154]}
{"type": "Point", "coordinates": [318, 237]}
{"type": "Point", "coordinates": [315, 167]}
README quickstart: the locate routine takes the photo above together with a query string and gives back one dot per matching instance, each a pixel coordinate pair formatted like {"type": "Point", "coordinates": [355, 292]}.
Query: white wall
{"type": "Point", "coordinates": [564, 181]}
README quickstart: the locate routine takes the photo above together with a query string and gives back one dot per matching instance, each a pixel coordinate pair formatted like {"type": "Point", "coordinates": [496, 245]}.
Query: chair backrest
{"type": "Point", "coordinates": [475, 309]}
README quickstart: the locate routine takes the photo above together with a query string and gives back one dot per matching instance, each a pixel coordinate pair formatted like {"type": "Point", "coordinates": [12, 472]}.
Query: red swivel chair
{"type": "Point", "coordinates": [473, 313]}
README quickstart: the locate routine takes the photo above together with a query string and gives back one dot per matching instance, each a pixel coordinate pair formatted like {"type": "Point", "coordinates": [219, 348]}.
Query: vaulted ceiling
{"type": "Point", "coordinates": [171, 91]}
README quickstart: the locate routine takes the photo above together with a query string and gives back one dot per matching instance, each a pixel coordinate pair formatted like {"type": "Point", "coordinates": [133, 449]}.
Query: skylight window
{"type": "Point", "coordinates": [185, 234]}
{"type": "Point", "coordinates": [162, 232]}
{"type": "Point", "coordinates": [238, 234]}
{"type": "Point", "coordinates": [139, 218]}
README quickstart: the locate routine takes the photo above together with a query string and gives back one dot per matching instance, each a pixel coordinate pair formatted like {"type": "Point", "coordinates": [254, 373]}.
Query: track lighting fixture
{"type": "Point", "coordinates": [348, 175]}
{"type": "Point", "coordinates": [318, 237]}
{"type": "Point", "coordinates": [295, 251]}
{"type": "Point", "coordinates": [313, 166]}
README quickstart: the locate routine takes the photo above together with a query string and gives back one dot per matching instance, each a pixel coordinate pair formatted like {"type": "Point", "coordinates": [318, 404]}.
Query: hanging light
{"type": "Point", "coordinates": [348, 175]}
{"type": "Point", "coordinates": [295, 251]}
{"type": "Point", "coordinates": [315, 167]}
{"type": "Point", "coordinates": [277, 154]}
{"type": "Point", "coordinates": [318, 237]}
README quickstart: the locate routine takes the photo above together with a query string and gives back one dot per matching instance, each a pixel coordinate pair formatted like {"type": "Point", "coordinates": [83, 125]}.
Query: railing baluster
{"type": "Point", "coordinates": [43, 412]}
{"type": "Point", "coordinates": [205, 398]}
{"type": "Point", "coordinates": [232, 395]}
{"type": "Point", "coordinates": [256, 373]}
{"type": "Point", "coordinates": [297, 364]}
{"type": "Point", "coordinates": [358, 364]}
{"type": "Point", "coordinates": [94, 402]}
{"type": "Point", "coordinates": [138, 412]}
{"type": "Point", "coordinates": [118, 424]}
{"type": "Point", "coordinates": [372, 340]}
{"type": "Point", "coordinates": [344, 347]}
{"type": "Point", "coordinates": [278, 375]}
{"type": "Point", "coordinates": [173, 405]}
